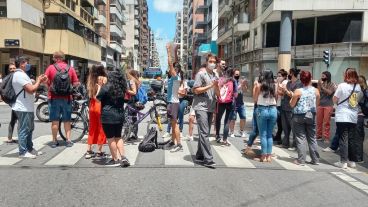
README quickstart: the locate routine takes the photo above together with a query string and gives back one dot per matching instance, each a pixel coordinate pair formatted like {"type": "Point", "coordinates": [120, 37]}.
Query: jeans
{"type": "Point", "coordinates": [13, 120]}
{"type": "Point", "coordinates": [254, 133]}
{"type": "Point", "coordinates": [204, 120]}
{"type": "Point", "coordinates": [305, 131]}
{"type": "Point", "coordinates": [266, 118]}
{"type": "Point", "coordinates": [356, 142]}
{"type": "Point", "coordinates": [183, 104]}
{"type": "Point", "coordinates": [279, 125]}
{"type": "Point", "coordinates": [335, 141]}
{"type": "Point", "coordinates": [346, 131]}
{"type": "Point", "coordinates": [241, 111]}
{"type": "Point", "coordinates": [323, 121]}
{"type": "Point", "coordinates": [25, 130]}
{"type": "Point", "coordinates": [286, 117]}
{"type": "Point", "coordinates": [222, 107]}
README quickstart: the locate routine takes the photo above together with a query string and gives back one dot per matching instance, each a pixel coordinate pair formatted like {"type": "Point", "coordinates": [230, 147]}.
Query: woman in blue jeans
{"type": "Point", "coordinates": [265, 97]}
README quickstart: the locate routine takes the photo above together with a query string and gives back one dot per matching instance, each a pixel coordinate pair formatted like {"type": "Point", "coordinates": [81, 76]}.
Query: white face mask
{"type": "Point", "coordinates": [211, 66]}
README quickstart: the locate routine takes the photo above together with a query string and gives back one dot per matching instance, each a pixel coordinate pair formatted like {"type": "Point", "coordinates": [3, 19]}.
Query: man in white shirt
{"type": "Point", "coordinates": [24, 106]}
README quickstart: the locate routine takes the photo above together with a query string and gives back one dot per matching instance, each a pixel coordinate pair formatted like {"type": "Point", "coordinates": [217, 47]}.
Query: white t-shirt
{"type": "Point", "coordinates": [25, 101]}
{"type": "Point", "coordinates": [184, 86]}
{"type": "Point", "coordinates": [283, 84]}
{"type": "Point", "coordinates": [345, 113]}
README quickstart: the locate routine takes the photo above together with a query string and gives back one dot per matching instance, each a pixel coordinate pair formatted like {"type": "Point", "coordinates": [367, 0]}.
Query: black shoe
{"type": "Point", "coordinates": [210, 164]}
{"type": "Point", "coordinates": [54, 144]}
{"type": "Point", "coordinates": [199, 160]}
{"type": "Point", "coordinates": [218, 139]}
{"type": "Point", "coordinates": [124, 162]}
{"type": "Point", "coordinates": [69, 144]}
{"type": "Point", "coordinates": [113, 163]}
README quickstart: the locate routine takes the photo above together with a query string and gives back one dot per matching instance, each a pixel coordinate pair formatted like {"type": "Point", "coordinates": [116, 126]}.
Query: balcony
{"type": "Point", "coordinates": [116, 4]}
{"type": "Point", "coordinates": [136, 23]}
{"type": "Point", "coordinates": [100, 2]}
{"type": "Point", "coordinates": [86, 16]}
{"type": "Point", "coordinates": [224, 8]}
{"type": "Point", "coordinates": [95, 14]}
{"type": "Point", "coordinates": [122, 3]}
{"type": "Point", "coordinates": [201, 24]}
{"type": "Point", "coordinates": [115, 31]}
{"type": "Point", "coordinates": [200, 37]}
{"type": "Point", "coordinates": [101, 20]}
{"type": "Point", "coordinates": [87, 3]}
{"type": "Point", "coordinates": [116, 46]}
{"type": "Point", "coordinates": [124, 34]}
{"type": "Point", "coordinates": [136, 42]}
{"type": "Point", "coordinates": [114, 10]}
{"type": "Point", "coordinates": [201, 9]}
{"type": "Point", "coordinates": [241, 24]}
{"type": "Point", "coordinates": [136, 12]}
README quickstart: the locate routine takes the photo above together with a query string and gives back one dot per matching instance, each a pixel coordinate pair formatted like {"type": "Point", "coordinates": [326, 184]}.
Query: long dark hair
{"type": "Point", "coordinates": [117, 85]}
{"type": "Point", "coordinates": [328, 76]}
{"type": "Point", "coordinates": [267, 84]}
{"type": "Point", "coordinates": [95, 72]}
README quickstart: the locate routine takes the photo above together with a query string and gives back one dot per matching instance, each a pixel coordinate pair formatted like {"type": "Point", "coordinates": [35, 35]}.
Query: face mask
{"type": "Point", "coordinates": [280, 79]}
{"type": "Point", "coordinates": [323, 79]}
{"type": "Point", "coordinates": [28, 67]}
{"type": "Point", "coordinates": [236, 77]}
{"type": "Point", "coordinates": [289, 77]}
{"type": "Point", "coordinates": [211, 66]}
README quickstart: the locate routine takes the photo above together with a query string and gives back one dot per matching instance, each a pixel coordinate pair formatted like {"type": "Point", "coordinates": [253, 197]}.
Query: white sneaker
{"type": "Point", "coordinates": [352, 164]}
{"type": "Point", "coordinates": [292, 149]}
{"type": "Point", "coordinates": [232, 135]}
{"type": "Point", "coordinates": [341, 165]}
{"type": "Point", "coordinates": [166, 135]}
{"type": "Point", "coordinates": [28, 155]}
{"type": "Point", "coordinates": [181, 135]}
{"type": "Point", "coordinates": [328, 149]}
{"type": "Point", "coordinates": [37, 153]}
{"type": "Point", "coordinates": [190, 138]}
{"type": "Point", "coordinates": [243, 134]}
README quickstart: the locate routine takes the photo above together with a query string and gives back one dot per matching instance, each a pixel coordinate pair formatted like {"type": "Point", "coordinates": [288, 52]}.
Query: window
{"type": "Point", "coordinates": [305, 31]}
{"type": "Point", "coordinates": [339, 28]}
{"type": "Point", "coordinates": [3, 11]}
{"type": "Point", "coordinates": [71, 23]}
{"type": "Point", "coordinates": [55, 21]}
{"type": "Point", "coordinates": [272, 34]}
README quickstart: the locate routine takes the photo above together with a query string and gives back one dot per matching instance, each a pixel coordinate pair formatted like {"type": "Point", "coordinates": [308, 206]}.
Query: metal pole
{"type": "Point", "coordinates": [232, 37]}
{"type": "Point", "coordinates": [181, 37]}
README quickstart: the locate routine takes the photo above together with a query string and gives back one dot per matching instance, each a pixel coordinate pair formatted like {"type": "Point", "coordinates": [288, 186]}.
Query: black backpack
{"type": "Point", "coordinates": [149, 143]}
{"type": "Point", "coordinates": [61, 86]}
{"type": "Point", "coordinates": [363, 103]}
{"type": "Point", "coordinates": [7, 92]}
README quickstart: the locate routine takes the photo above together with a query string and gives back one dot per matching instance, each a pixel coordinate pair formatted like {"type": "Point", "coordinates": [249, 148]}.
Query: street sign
{"type": "Point", "coordinates": [11, 42]}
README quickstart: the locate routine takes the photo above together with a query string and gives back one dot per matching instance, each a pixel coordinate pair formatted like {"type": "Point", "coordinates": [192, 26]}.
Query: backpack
{"type": "Point", "coordinates": [7, 92]}
{"type": "Point", "coordinates": [141, 95]}
{"type": "Point", "coordinates": [227, 92]}
{"type": "Point", "coordinates": [61, 85]}
{"type": "Point", "coordinates": [364, 103]}
{"type": "Point", "coordinates": [149, 143]}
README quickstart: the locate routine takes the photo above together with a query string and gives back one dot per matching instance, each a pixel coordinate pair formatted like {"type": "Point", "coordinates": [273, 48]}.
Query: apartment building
{"type": "Point", "coordinates": [142, 38]}
{"type": "Point", "coordinates": [130, 57]}
{"type": "Point", "coordinates": [285, 33]}
{"type": "Point", "coordinates": [181, 35]}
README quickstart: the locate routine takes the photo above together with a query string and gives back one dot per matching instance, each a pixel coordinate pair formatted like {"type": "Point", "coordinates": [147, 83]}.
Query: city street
{"type": "Point", "coordinates": [62, 177]}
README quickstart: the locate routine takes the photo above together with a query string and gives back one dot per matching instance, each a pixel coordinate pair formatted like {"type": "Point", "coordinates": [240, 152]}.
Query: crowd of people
{"type": "Point", "coordinates": [301, 111]}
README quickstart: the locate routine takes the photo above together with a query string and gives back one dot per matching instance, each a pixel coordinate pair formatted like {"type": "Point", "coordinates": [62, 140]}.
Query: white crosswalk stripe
{"type": "Point", "coordinates": [230, 156]}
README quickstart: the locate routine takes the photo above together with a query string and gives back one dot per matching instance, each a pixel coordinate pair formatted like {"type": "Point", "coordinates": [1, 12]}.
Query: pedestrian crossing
{"type": "Point", "coordinates": [224, 156]}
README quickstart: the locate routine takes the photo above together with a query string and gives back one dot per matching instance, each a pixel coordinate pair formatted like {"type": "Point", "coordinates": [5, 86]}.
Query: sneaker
{"type": "Point", "coordinates": [181, 135]}
{"type": "Point", "coordinates": [54, 144]}
{"type": "Point", "coordinates": [28, 155]}
{"type": "Point", "coordinates": [210, 164]}
{"type": "Point", "coordinates": [341, 165]}
{"type": "Point", "coordinates": [218, 139]}
{"type": "Point", "coordinates": [190, 138]}
{"type": "Point", "coordinates": [352, 164]}
{"type": "Point", "coordinates": [101, 154]}
{"type": "Point", "coordinates": [298, 163]}
{"type": "Point", "coordinates": [89, 154]}
{"type": "Point", "coordinates": [37, 153]}
{"type": "Point", "coordinates": [69, 144]}
{"type": "Point", "coordinates": [313, 162]}
{"type": "Point", "coordinates": [243, 134]}
{"type": "Point", "coordinates": [198, 160]}
{"type": "Point", "coordinates": [124, 162]}
{"type": "Point", "coordinates": [177, 148]}
{"type": "Point", "coordinates": [166, 135]}
{"type": "Point", "coordinates": [232, 135]}
{"type": "Point", "coordinates": [292, 149]}
{"type": "Point", "coordinates": [113, 163]}
{"type": "Point", "coordinates": [328, 149]}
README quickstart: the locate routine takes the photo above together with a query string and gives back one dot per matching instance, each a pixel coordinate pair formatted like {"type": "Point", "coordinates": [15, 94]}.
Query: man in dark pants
{"type": "Point", "coordinates": [204, 103]}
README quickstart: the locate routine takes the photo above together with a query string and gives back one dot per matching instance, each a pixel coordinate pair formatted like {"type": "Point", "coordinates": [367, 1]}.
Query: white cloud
{"type": "Point", "coordinates": [169, 6]}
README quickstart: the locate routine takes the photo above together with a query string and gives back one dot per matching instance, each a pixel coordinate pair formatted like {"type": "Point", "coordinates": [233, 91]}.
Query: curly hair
{"type": "Point", "coordinates": [117, 85]}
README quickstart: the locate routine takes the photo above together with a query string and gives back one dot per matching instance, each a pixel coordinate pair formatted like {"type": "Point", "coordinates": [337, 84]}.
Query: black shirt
{"type": "Point", "coordinates": [111, 112]}
{"type": "Point", "coordinates": [285, 101]}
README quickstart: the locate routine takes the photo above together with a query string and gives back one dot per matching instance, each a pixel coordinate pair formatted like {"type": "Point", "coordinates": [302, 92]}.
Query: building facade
{"type": "Point", "coordinates": [279, 34]}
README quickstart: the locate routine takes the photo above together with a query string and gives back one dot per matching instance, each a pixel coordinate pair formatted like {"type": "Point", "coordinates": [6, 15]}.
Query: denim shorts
{"type": "Point", "coordinates": [60, 108]}
{"type": "Point", "coordinates": [239, 110]}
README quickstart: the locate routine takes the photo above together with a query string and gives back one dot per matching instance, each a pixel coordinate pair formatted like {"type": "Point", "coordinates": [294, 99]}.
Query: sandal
{"type": "Point", "coordinates": [101, 154]}
{"type": "Point", "coordinates": [10, 141]}
{"type": "Point", "coordinates": [89, 155]}
{"type": "Point", "coordinates": [226, 143]}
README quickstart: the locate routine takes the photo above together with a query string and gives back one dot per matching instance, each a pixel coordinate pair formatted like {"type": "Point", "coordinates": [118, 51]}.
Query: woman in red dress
{"type": "Point", "coordinates": [96, 78]}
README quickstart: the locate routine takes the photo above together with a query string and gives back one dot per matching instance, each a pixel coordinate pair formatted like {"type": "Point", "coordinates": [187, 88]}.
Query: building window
{"type": "Point", "coordinates": [55, 21]}
{"type": "Point", "coordinates": [339, 28]}
{"type": "Point", "coordinates": [272, 34]}
{"type": "Point", "coordinates": [3, 11]}
{"type": "Point", "coordinates": [305, 31]}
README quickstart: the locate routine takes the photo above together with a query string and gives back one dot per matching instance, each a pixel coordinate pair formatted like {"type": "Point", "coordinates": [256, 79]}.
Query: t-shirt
{"type": "Point", "coordinates": [326, 100]}
{"type": "Point", "coordinates": [240, 97]}
{"type": "Point", "coordinates": [111, 112]}
{"type": "Point", "coordinates": [283, 84]}
{"type": "Point", "coordinates": [344, 112]}
{"type": "Point", "coordinates": [183, 87]}
{"type": "Point", "coordinates": [25, 101]}
{"type": "Point", "coordinates": [51, 72]}
{"type": "Point", "coordinates": [285, 101]}
{"type": "Point", "coordinates": [172, 89]}
{"type": "Point", "coordinates": [205, 101]}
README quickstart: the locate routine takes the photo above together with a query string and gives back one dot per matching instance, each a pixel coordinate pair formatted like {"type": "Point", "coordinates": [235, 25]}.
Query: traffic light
{"type": "Point", "coordinates": [327, 57]}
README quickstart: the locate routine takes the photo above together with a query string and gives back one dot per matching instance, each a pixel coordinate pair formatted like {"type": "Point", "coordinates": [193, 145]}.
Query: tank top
{"type": "Point", "coordinates": [307, 101]}
{"type": "Point", "coordinates": [262, 101]}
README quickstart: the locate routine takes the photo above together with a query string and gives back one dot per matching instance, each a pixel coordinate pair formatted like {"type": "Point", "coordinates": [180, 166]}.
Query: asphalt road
{"type": "Point", "coordinates": [62, 177]}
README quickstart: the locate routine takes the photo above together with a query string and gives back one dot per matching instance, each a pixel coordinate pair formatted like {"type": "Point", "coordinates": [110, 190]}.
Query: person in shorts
{"type": "Point", "coordinates": [60, 106]}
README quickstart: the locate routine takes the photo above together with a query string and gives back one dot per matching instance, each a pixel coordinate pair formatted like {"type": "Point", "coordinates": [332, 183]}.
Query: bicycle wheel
{"type": "Point", "coordinates": [42, 112]}
{"type": "Point", "coordinates": [162, 111]}
{"type": "Point", "coordinates": [79, 128]}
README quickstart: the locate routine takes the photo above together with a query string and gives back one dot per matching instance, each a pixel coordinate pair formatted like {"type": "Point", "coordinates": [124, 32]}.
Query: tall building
{"type": "Point", "coordinates": [37, 28]}
{"type": "Point", "coordinates": [130, 58]}
{"type": "Point", "coordinates": [181, 35]}
{"type": "Point", "coordinates": [143, 35]}
{"type": "Point", "coordinates": [285, 33]}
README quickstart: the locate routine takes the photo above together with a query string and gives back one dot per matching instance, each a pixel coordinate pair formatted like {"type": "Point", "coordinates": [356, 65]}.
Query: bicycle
{"type": "Point", "coordinates": [131, 113]}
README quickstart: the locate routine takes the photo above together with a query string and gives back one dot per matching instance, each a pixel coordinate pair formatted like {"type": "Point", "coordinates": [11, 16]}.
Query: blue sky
{"type": "Point", "coordinates": [161, 18]}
